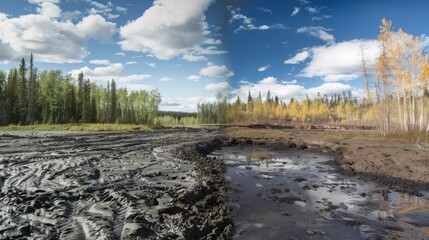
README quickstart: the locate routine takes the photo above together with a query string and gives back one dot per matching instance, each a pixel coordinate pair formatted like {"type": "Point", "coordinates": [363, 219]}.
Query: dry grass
{"type": "Point", "coordinates": [76, 127]}
{"type": "Point", "coordinates": [259, 154]}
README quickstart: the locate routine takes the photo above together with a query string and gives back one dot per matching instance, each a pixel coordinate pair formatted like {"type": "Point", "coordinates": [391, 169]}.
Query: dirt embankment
{"type": "Point", "coordinates": [110, 185]}
{"type": "Point", "coordinates": [358, 151]}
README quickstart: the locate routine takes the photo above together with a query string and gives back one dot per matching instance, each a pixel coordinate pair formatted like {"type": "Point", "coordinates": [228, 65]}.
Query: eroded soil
{"type": "Point", "coordinates": [109, 185]}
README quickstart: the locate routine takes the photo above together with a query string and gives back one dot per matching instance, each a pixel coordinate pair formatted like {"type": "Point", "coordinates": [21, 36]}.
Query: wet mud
{"type": "Point", "coordinates": [292, 194]}
{"type": "Point", "coordinates": [109, 185]}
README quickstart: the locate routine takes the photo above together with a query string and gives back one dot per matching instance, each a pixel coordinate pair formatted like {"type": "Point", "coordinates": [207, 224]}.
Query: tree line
{"type": "Point", "coordinates": [338, 108]}
{"type": "Point", "coordinates": [396, 94]}
{"type": "Point", "coordinates": [50, 97]}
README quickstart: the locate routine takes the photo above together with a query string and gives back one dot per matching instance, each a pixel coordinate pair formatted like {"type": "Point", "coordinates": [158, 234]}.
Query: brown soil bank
{"type": "Point", "coordinates": [362, 151]}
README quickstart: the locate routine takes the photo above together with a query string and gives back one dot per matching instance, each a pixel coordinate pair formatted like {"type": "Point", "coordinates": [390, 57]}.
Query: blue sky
{"type": "Point", "coordinates": [191, 49]}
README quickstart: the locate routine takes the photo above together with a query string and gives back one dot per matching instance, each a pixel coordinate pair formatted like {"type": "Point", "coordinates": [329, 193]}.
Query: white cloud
{"type": "Point", "coordinates": [290, 89]}
{"type": "Point", "coordinates": [268, 81]}
{"type": "Point", "coordinates": [247, 23]}
{"type": "Point", "coordinates": [100, 62]}
{"type": "Point", "coordinates": [216, 71]}
{"type": "Point", "coordinates": [212, 50]}
{"type": "Point", "coordinates": [263, 68]}
{"type": "Point", "coordinates": [218, 87]}
{"type": "Point", "coordinates": [194, 78]}
{"type": "Point", "coordinates": [193, 58]}
{"type": "Point", "coordinates": [290, 82]}
{"type": "Point", "coordinates": [49, 9]}
{"type": "Point", "coordinates": [166, 79]}
{"type": "Point", "coordinates": [265, 10]}
{"type": "Point", "coordinates": [107, 73]}
{"type": "Point", "coordinates": [283, 91]}
{"type": "Point", "coordinates": [47, 38]}
{"type": "Point", "coordinates": [152, 65]}
{"type": "Point", "coordinates": [212, 41]}
{"type": "Point", "coordinates": [72, 15]}
{"type": "Point", "coordinates": [319, 32]}
{"type": "Point", "coordinates": [131, 63]}
{"type": "Point", "coordinates": [167, 29]}
{"type": "Point", "coordinates": [96, 26]}
{"type": "Point", "coordinates": [340, 61]}
{"type": "Point", "coordinates": [328, 89]}
{"type": "Point", "coordinates": [121, 9]}
{"type": "Point", "coordinates": [311, 9]}
{"type": "Point", "coordinates": [321, 17]}
{"type": "Point", "coordinates": [184, 104]}
{"type": "Point", "coordinates": [295, 11]}
{"type": "Point", "coordinates": [299, 57]}
{"type": "Point", "coordinates": [120, 54]}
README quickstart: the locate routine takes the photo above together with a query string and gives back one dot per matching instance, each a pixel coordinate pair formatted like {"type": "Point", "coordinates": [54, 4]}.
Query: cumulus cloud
{"type": "Point", "coordinates": [244, 22]}
{"type": "Point", "coordinates": [107, 73]}
{"type": "Point", "coordinates": [167, 29]}
{"type": "Point", "coordinates": [295, 11]}
{"type": "Point", "coordinates": [193, 58]}
{"type": "Point", "coordinates": [49, 9]}
{"type": "Point", "coordinates": [263, 68]}
{"type": "Point", "coordinates": [286, 90]}
{"type": "Point", "coordinates": [96, 26]}
{"type": "Point", "coordinates": [321, 17]}
{"type": "Point", "coordinates": [299, 57]}
{"type": "Point", "coordinates": [216, 71]}
{"type": "Point", "coordinates": [319, 32]}
{"type": "Point", "coordinates": [218, 87]}
{"type": "Point", "coordinates": [269, 81]}
{"type": "Point", "coordinates": [47, 38]}
{"type": "Point", "coordinates": [184, 104]}
{"type": "Point", "coordinates": [100, 62]}
{"type": "Point", "coordinates": [312, 9]}
{"type": "Point", "coordinates": [283, 91]}
{"type": "Point", "coordinates": [152, 65]}
{"type": "Point", "coordinates": [131, 63]}
{"type": "Point", "coordinates": [166, 79]}
{"type": "Point", "coordinates": [120, 54]}
{"type": "Point", "coordinates": [194, 78]}
{"type": "Point", "coordinates": [340, 61]}
{"type": "Point", "coordinates": [329, 89]}
{"type": "Point", "coordinates": [212, 41]}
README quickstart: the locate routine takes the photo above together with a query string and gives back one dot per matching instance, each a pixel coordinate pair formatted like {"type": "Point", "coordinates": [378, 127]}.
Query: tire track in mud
{"type": "Point", "coordinates": [108, 185]}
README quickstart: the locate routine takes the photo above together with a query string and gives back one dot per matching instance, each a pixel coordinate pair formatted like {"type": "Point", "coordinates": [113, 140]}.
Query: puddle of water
{"type": "Point", "coordinates": [289, 195]}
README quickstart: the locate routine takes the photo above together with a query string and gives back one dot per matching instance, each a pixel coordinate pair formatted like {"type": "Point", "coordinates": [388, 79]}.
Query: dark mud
{"type": "Point", "coordinates": [291, 194]}
{"type": "Point", "coordinates": [109, 185]}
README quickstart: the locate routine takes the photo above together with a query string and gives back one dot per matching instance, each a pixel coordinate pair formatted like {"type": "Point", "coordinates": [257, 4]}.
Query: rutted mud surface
{"type": "Point", "coordinates": [292, 194]}
{"type": "Point", "coordinates": [156, 184]}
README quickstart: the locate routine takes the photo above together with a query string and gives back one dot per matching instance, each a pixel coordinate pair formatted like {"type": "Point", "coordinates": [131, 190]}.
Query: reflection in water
{"type": "Point", "coordinates": [296, 194]}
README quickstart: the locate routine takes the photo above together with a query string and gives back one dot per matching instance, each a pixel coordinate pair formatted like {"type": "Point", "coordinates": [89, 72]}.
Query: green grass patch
{"type": "Point", "coordinates": [90, 127]}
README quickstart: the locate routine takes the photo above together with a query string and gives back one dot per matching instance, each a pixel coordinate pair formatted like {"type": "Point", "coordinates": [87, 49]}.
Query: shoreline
{"type": "Point", "coordinates": [355, 152]}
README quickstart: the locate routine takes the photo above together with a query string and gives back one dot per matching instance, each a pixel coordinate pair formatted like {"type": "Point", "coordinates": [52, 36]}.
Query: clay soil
{"type": "Point", "coordinates": [394, 161]}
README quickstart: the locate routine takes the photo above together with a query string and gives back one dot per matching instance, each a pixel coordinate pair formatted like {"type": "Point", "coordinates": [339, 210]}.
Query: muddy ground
{"type": "Point", "coordinates": [401, 165]}
{"type": "Point", "coordinates": [160, 184]}
{"type": "Point", "coordinates": [108, 185]}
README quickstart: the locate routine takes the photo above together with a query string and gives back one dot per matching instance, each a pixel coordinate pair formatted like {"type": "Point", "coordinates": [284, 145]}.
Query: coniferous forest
{"type": "Point", "coordinates": [28, 96]}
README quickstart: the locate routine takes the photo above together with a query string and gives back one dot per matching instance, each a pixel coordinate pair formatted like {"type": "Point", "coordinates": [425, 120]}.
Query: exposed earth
{"type": "Point", "coordinates": [162, 184]}
{"type": "Point", "coordinates": [110, 185]}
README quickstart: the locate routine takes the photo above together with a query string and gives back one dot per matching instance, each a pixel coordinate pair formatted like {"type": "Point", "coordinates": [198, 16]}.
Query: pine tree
{"type": "Point", "coordinates": [22, 92]}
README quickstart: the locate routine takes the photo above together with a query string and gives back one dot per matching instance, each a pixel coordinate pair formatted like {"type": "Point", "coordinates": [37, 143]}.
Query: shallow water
{"type": "Point", "coordinates": [299, 195]}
